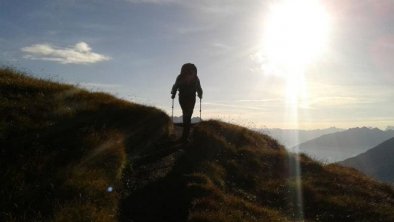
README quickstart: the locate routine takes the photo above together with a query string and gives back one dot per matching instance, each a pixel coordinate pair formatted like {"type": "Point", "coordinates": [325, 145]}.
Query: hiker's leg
{"type": "Point", "coordinates": [186, 126]}
{"type": "Point", "coordinates": [187, 105]}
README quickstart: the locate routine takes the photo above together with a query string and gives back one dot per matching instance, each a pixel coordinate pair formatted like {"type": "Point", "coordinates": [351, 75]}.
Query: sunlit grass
{"type": "Point", "coordinates": [248, 175]}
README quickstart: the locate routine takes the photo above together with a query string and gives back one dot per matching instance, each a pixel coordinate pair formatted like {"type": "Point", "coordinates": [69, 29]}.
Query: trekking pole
{"type": "Point", "coordinates": [172, 112]}
{"type": "Point", "coordinates": [200, 111]}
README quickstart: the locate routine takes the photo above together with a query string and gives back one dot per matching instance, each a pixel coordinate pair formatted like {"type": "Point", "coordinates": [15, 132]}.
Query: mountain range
{"type": "Point", "coordinates": [376, 162]}
{"type": "Point", "coordinates": [345, 144]}
{"type": "Point", "coordinates": [293, 137]}
{"type": "Point", "coordinates": [179, 119]}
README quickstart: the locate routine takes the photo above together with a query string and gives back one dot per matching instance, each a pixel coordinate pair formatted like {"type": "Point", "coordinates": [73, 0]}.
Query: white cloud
{"type": "Point", "coordinates": [80, 53]}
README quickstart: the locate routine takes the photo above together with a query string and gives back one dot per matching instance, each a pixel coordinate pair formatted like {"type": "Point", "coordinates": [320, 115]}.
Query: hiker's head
{"type": "Point", "coordinates": [188, 69]}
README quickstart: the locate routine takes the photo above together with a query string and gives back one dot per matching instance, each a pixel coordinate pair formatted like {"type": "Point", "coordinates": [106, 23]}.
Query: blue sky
{"type": "Point", "coordinates": [134, 49]}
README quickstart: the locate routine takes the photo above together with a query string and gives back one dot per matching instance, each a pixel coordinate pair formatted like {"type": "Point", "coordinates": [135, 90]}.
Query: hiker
{"type": "Point", "coordinates": [188, 84]}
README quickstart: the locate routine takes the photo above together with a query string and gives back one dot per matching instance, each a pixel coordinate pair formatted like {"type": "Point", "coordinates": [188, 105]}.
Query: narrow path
{"type": "Point", "coordinates": [155, 189]}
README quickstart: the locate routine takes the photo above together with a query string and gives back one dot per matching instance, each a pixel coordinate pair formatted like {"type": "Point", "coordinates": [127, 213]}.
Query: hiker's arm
{"type": "Point", "coordinates": [175, 88]}
{"type": "Point", "coordinates": [199, 89]}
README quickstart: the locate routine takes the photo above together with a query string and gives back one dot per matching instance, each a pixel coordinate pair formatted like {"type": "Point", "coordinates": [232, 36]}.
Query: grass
{"type": "Point", "coordinates": [239, 175]}
{"type": "Point", "coordinates": [63, 149]}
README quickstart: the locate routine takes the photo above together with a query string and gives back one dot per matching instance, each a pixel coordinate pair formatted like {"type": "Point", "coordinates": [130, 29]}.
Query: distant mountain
{"type": "Point", "coordinates": [342, 145]}
{"type": "Point", "coordinates": [293, 137]}
{"type": "Point", "coordinates": [390, 128]}
{"type": "Point", "coordinates": [179, 119]}
{"type": "Point", "coordinates": [376, 162]}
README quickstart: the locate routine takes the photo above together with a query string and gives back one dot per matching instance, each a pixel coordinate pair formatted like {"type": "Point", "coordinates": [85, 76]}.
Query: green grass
{"type": "Point", "coordinates": [61, 147]}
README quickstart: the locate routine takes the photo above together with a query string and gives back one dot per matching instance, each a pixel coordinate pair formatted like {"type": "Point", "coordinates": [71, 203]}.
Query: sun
{"type": "Point", "coordinates": [295, 32]}
{"type": "Point", "coordinates": [295, 35]}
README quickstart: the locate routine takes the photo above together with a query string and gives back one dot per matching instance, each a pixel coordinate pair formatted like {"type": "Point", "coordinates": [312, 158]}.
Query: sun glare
{"type": "Point", "coordinates": [295, 35]}
{"type": "Point", "coordinates": [295, 32]}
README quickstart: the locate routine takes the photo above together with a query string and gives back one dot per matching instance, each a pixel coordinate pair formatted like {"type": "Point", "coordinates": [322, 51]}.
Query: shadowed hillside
{"type": "Point", "coordinates": [71, 155]}
{"type": "Point", "coordinates": [63, 147]}
{"type": "Point", "coordinates": [376, 162]}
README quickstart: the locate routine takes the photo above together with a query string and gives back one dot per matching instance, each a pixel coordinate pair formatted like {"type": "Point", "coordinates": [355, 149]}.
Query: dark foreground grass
{"type": "Point", "coordinates": [63, 149]}
{"type": "Point", "coordinates": [71, 155]}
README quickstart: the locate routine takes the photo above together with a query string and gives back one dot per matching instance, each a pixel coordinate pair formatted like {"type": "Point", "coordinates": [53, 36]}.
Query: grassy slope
{"type": "Point", "coordinates": [61, 147]}
{"type": "Point", "coordinates": [230, 173]}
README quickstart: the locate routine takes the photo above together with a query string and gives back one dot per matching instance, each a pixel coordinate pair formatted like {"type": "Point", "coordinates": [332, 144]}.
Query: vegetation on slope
{"type": "Point", "coordinates": [63, 148]}
{"type": "Point", "coordinates": [229, 173]}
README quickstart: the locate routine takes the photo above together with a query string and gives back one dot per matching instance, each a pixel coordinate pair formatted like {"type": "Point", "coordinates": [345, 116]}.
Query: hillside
{"type": "Point", "coordinates": [376, 162]}
{"type": "Point", "coordinates": [71, 155]}
{"type": "Point", "coordinates": [342, 145]}
{"type": "Point", "coordinates": [293, 137]}
{"type": "Point", "coordinates": [62, 148]}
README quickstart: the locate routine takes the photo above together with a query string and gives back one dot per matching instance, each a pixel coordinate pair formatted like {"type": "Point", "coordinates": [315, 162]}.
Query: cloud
{"type": "Point", "coordinates": [340, 101]}
{"type": "Point", "coordinates": [235, 107]}
{"type": "Point", "coordinates": [80, 53]}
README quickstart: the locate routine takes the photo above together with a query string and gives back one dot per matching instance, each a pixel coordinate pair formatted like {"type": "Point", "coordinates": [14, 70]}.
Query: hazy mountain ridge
{"type": "Point", "coordinates": [293, 137]}
{"type": "Point", "coordinates": [71, 155]}
{"type": "Point", "coordinates": [376, 162]}
{"type": "Point", "coordinates": [342, 145]}
{"type": "Point", "coordinates": [179, 119]}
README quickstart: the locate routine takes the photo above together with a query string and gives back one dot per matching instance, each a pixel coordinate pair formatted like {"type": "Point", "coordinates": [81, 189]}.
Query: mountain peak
{"type": "Point", "coordinates": [376, 162]}
{"type": "Point", "coordinates": [365, 129]}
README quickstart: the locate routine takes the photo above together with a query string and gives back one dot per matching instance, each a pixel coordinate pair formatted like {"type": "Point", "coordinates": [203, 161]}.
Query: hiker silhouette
{"type": "Point", "coordinates": [188, 84]}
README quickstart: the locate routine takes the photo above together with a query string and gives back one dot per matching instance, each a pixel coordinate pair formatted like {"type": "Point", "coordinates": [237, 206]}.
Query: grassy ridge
{"type": "Point", "coordinates": [229, 173]}
{"type": "Point", "coordinates": [63, 147]}
{"type": "Point", "coordinates": [249, 177]}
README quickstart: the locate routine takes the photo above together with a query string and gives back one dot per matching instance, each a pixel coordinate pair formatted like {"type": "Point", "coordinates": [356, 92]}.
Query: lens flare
{"type": "Point", "coordinates": [295, 35]}
{"type": "Point", "coordinates": [110, 189]}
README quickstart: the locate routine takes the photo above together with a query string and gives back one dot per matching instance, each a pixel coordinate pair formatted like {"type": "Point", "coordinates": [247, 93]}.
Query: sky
{"type": "Point", "coordinates": [277, 64]}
